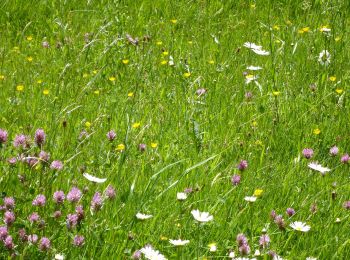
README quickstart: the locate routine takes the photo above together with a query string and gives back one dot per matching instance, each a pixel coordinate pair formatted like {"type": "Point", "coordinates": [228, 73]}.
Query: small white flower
{"type": "Point", "coordinates": [179, 242]}
{"type": "Point", "coordinates": [261, 52]}
{"type": "Point", "coordinates": [181, 196]}
{"type": "Point", "coordinates": [201, 216]}
{"type": "Point", "coordinates": [324, 58]}
{"type": "Point", "coordinates": [152, 254]}
{"type": "Point", "coordinates": [250, 198]}
{"type": "Point", "coordinates": [59, 257]}
{"type": "Point", "coordinates": [93, 178]}
{"type": "Point", "coordinates": [257, 252]}
{"type": "Point", "coordinates": [231, 254]}
{"type": "Point", "coordinates": [253, 68]}
{"type": "Point", "coordinates": [311, 258]}
{"type": "Point", "coordinates": [325, 29]}
{"type": "Point", "coordinates": [318, 167]}
{"type": "Point", "coordinates": [143, 216]}
{"type": "Point", "coordinates": [300, 226]}
{"type": "Point", "coordinates": [212, 247]}
{"type": "Point", "coordinates": [249, 78]}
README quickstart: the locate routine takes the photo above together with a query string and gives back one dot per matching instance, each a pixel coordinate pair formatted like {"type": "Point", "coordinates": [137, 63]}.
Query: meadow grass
{"type": "Point", "coordinates": [172, 76]}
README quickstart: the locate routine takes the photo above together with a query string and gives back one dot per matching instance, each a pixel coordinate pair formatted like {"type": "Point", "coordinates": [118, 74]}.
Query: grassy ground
{"type": "Point", "coordinates": [69, 68]}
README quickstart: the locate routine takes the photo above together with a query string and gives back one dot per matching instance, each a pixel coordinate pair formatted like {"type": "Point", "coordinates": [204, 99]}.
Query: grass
{"type": "Point", "coordinates": [92, 80]}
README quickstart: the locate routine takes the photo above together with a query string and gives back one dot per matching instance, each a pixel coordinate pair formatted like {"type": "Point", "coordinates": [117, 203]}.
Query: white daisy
{"type": "Point", "coordinates": [93, 178]}
{"type": "Point", "coordinates": [318, 167]}
{"type": "Point", "coordinates": [250, 198]}
{"type": "Point", "coordinates": [152, 254]}
{"type": "Point", "coordinates": [324, 58]}
{"type": "Point", "coordinates": [257, 252]}
{"type": "Point", "coordinates": [179, 242]}
{"type": "Point", "coordinates": [231, 254]}
{"type": "Point", "coordinates": [300, 226]}
{"type": "Point", "coordinates": [201, 216]}
{"type": "Point", "coordinates": [261, 52]}
{"type": "Point", "coordinates": [143, 216]}
{"type": "Point", "coordinates": [181, 196]}
{"type": "Point", "coordinates": [311, 258]}
{"type": "Point", "coordinates": [253, 68]}
{"type": "Point", "coordinates": [59, 257]}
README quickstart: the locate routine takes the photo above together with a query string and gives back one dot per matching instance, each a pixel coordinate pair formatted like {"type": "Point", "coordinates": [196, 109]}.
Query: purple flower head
{"type": "Point", "coordinates": [83, 134]}
{"type": "Point", "coordinates": [243, 164]}
{"type": "Point", "coordinates": [308, 153]}
{"type": "Point", "coordinates": [142, 147]}
{"type": "Point", "coordinates": [22, 235]}
{"type": "Point", "coordinates": [74, 195]}
{"type": "Point", "coordinates": [80, 212]}
{"type": "Point", "coordinates": [290, 211]}
{"type": "Point", "coordinates": [72, 220]}
{"type": "Point", "coordinates": [45, 44]}
{"type": "Point", "coordinates": [3, 136]}
{"type": "Point", "coordinates": [78, 241]}
{"type": "Point", "coordinates": [244, 249]}
{"type": "Point", "coordinates": [21, 141]}
{"type": "Point", "coordinates": [34, 217]}
{"type": "Point", "coordinates": [45, 244]}
{"type": "Point", "coordinates": [136, 255]}
{"type": "Point", "coordinates": [8, 243]}
{"type": "Point", "coordinates": [264, 241]}
{"type": "Point", "coordinates": [273, 214]}
{"type": "Point", "coordinates": [345, 158]}
{"type": "Point", "coordinates": [188, 190]}
{"type": "Point", "coordinates": [56, 165]}
{"type": "Point", "coordinates": [33, 238]}
{"type": "Point", "coordinates": [241, 239]}
{"type": "Point", "coordinates": [39, 137]}
{"type": "Point", "coordinates": [32, 161]}
{"type": "Point", "coordinates": [96, 202]}
{"type": "Point", "coordinates": [110, 192]}
{"type": "Point", "coordinates": [346, 204]}
{"type": "Point", "coordinates": [236, 179]}
{"type": "Point", "coordinates": [9, 217]}
{"type": "Point", "coordinates": [12, 160]}
{"type": "Point", "coordinates": [59, 197]}
{"type": "Point", "coordinates": [280, 222]}
{"type": "Point", "coordinates": [201, 91]}
{"type": "Point", "coordinates": [3, 232]}
{"type": "Point", "coordinates": [248, 95]}
{"type": "Point", "coordinates": [39, 201]}
{"type": "Point", "coordinates": [57, 214]}
{"type": "Point", "coordinates": [44, 156]}
{"type": "Point", "coordinates": [334, 151]}
{"type": "Point", "coordinates": [111, 135]}
{"type": "Point", "coordinates": [9, 202]}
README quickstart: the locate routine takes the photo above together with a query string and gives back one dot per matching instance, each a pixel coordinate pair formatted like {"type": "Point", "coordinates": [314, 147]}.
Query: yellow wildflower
{"type": "Point", "coordinates": [120, 147]}
{"type": "Point", "coordinates": [130, 94]}
{"type": "Point", "coordinates": [159, 42]}
{"type": "Point", "coordinates": [154, 145]}
{"type": "Point", "coordinates": [20, 88]}
{"type": "Point", "coordinates": [187, 75]}
{"type": "Point", "coordinates": [112, 78]}
{"type": "Point", "coordinates": [276, 93]}
{"type": "Point", "coordinates": [339, 90]}
{"type": "Point", "coordinates": [2, 77]}
{"type": "Point", "coordinates": [136, 125]}
{"type": "Point", "coordinates": [316, 131]}
{"type": "Point", "coordinates": [30, 58]}
{"type": "Point", "coordinates": [87, 124]}
{"type": "Point", "coordinates": [174, 21]}
{"type": "Point", "coordinates": [332, 78]}
{"type": "Point", "coordinates": [29, 38]}
{"type": "Point", "coordinates": [45, 91]}
{"type": "Point", "coordinates": [258, 192]}
{"type": "Point", "coordinates": [125, 62]}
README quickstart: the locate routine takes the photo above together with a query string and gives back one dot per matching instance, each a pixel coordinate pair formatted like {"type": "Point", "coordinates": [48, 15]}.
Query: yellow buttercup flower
{"type": "Point", "coordinates": [159, 42]}
{"type": "Point", "coordinates": [39, 81]}
{"type": "Point", "coordinates": [2, 77]}
{"type": "Point", "coordinates": [258, 192]}
{"type": "Point", "coordinates": [187, 75]}
{"type": "Point", "coordinates": [163, 62]}
{"type": "Point", "coordinates": [120, 147]}
{"type": "Point", "coordinates": [211, 62]}
{"type": "Point", "coordinates": [29, 38]}
{"type": "Point", "coordinates": [165, 53]}
{"type": "Point", "coordinates": [20, 88]}
{"type": "Point", "coordinates": [45, 91]}
{"type": "Point", "coordinates": [130, 94]}
{"type": "Point", "coordinates": [85, 75]}
{"type": "Point", "coordinates": [30, 58]}
{"type": "Point", "coordinates": [276, 93]}
{"type": "Point", "coordinates": [174, 21]}
{"type": "Point", "coordinates": [163, 238]}
{"type": "Point", "coordinates": [97, 92]}
{"type": "Point", "coordinates": [87, 124]}
{"type": "Point", "coordinates": [316, 131]}
{"type": "Point", "coordinates": [125, 62]}
{"type": "Point", "coordinates": [112, 78]}
{"type": "Point", "coordinates": [154, 145]}
{"type": "Point", "coordinates": [136, 125]}
{"type": "Point", "coordinates": [190, 42]}
{"type": "Point", "coordinates": [94, 72]}
{"type": "Point", "coordinates": [339, 90]}
{"type": "Point", "coordinates": [332, 78]}
{"type": "Point", "coordinates": [276, 27]}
